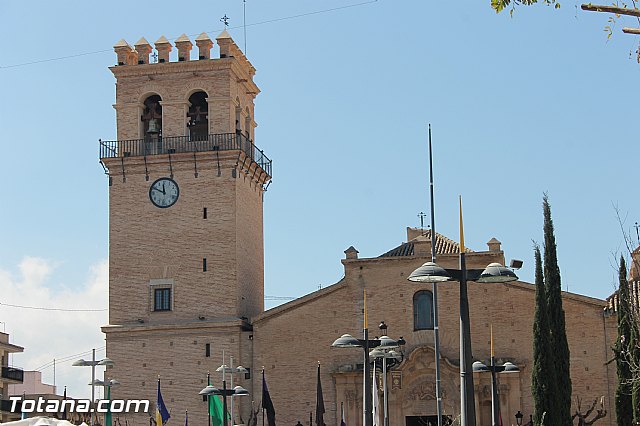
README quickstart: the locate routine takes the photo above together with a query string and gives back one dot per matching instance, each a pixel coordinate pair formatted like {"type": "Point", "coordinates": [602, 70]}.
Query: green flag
{"type": "Point", "coordinates": [215, 407]}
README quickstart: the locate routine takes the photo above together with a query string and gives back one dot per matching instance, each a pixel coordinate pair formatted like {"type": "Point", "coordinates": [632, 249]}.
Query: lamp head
{"type": "Point", "coordinates": [210, 390]}
{"type": "Point", "coordinates": [107, 362]}
{"type": "Point", "coordinates": [376, 353]}
{"type": "Point", "coordinates": [510, 367]}
{"type": "Point", "coordinates": [80, 363]}
{"type": "Point", "coordinates": [387, 342]}
{"type": "Point", "coordinates": [346, 341]}
{"type": "Point", "coordinates": [519, 417]}
{"type": "Point", "coordinates": [240, 391]}
{"type": "Point", "coordinates": [479, 367]}
{"type": "Point", "coordinates": [429, 273]}
{"type": "Point", "coordinates": [496, 273]}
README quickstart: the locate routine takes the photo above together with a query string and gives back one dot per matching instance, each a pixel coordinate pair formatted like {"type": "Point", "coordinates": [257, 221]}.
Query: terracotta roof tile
{"type": "Point", "coordinates": [443, 246]}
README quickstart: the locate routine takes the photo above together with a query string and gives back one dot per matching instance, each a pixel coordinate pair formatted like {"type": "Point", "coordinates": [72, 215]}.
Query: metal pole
{"type": "Point", "coordinates": [495, 416]}
{"type": "Point", "coordinates": [368, 409]}
{"type": "Point", "coordinates": [436, 330]}
{"type": "Point", "coordinates": [231, 367]}
{"type": "Point", "coordinates": [93, 386]}
{"type": "Point", "coordinates": [467, 403]}
{"type": "Point", "coordinates": [385, 401]}
{"type": "Point", "coordinates": [224, 403]}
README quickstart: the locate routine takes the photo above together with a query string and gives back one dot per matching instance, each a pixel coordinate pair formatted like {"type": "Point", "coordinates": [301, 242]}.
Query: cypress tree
{"type": "Point", "coordinates": [542, 368]}
{"type": "Point", "coordinates": [561, 411]}
{"type": "Point", "coordinates": [621, 349]}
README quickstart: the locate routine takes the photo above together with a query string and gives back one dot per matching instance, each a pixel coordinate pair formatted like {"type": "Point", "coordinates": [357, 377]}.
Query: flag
{"type": "Point", "coordinates": [319, 401]}
{"type": "Point", "coordinates": [342, 422]}
{"type": "Point", "coordinates": [374, 393]}
{"type": "Point", "coordinates": [267, 404]}
{"type": "Point", "coordinates": [186, 418]}
{"type": "Point", "coordinates": [162, 415]}
{"type": "Point", "coordinates": [215, 407]}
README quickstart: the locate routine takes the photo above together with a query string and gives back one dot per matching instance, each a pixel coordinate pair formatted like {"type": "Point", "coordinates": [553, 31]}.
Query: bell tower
{"type": "Point", "coordinates": [186, 185]}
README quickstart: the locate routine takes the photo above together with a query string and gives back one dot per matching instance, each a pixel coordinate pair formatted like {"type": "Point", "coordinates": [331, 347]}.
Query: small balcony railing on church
{"type": "Point", "coordinates": [13, 374]}
{"type": "Point", "coordinates": [159, 145]}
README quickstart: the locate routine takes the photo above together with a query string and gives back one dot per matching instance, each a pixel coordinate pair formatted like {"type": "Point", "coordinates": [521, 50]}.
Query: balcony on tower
{"type": "Point", "coordinates": [156, 144]}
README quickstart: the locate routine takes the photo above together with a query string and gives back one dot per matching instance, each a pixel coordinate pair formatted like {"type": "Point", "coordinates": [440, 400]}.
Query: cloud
{"type": "Point", "coordinates": [48, 334]}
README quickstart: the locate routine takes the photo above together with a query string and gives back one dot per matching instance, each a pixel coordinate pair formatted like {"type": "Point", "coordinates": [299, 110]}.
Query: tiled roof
{"type": "Point", "coordinates": [443, 246]}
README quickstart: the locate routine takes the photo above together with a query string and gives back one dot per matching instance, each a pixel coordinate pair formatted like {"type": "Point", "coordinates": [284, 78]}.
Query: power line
{"type": "Point", "coordinates": [270, 21]}
{"type": "Point", "coordinates": [40, 308]}
{"type": "Point", "coordinates": [67, 358]}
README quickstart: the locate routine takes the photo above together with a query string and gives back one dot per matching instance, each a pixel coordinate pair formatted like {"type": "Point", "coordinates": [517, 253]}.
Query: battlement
{"type": "Point", "coordinates": [142, 53]}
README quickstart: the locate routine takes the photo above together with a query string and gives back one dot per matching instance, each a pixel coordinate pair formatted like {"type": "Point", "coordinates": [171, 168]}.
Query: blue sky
{"type": "Point", "coordinates": [519, 106]}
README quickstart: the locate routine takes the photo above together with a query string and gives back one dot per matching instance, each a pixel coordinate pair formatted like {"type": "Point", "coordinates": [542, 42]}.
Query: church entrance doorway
{"type": "Point", "coordinates": [426, 420]}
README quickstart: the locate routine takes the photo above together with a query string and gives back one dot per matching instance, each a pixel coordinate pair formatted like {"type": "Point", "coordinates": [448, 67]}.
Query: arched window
{"type": "Point", "coordinates": [152, 117]}
{"type": "Point", "coordinates": [198, 116]}
{"type": "Point", "coordinates": [423, 310]}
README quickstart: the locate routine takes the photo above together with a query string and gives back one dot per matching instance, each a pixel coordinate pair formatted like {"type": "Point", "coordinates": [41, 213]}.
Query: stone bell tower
{"type": "Point", "coordinates": [186, 186]}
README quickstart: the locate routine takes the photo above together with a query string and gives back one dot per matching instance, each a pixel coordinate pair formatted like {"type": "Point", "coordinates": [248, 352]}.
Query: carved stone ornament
{"type": "Point", "coordinates": [422, 392]}
{"type": "Point", "coordinates": [396, 380]}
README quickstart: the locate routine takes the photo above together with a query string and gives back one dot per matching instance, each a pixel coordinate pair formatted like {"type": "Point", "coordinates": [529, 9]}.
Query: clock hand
{"type": "Point", "coordinates": [163, 191]}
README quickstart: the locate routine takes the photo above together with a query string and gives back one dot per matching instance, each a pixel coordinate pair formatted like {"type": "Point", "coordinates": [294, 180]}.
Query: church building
{"type": "Point", "coordinates": [186, 272]}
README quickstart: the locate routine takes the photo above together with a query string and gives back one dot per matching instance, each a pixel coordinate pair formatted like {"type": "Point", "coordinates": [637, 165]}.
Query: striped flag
{"type": "Point", "coordinates": [343, 421]}
{"type": "Point", "coordinates": [162, 414]}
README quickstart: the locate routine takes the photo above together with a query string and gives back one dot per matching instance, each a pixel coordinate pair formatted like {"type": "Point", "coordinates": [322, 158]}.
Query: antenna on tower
{"type": "Point", "coordinates": [244, 24]}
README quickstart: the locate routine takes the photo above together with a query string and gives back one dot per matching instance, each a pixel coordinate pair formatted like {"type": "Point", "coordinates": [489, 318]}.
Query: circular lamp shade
{"type": "Point", "coordinates": [240, 391]}
{"type": "Point", "coordinates": [429, 273]}
{"type": "Point", "coordinates": [346, 341]}
{"type": "Point", "coordinates": [510, 367]}
{"type": "Point", "coordinates": [80, 363]}
{"type": "Point", "coordinates": [394, 355]}
{"type": "Point", "coordinates": [210, 390]}
{"type": "Point", "coordinates": [224, 368]}
{"type": "Point", "coordinates": [479, 367]}
{"type": "Point", "coordinates": [496, 273]}
{"type": "Point", "coordinates": [241, 369]}
{"type": "Point", "coordinates": [376, 353]}
{"type": "Point", "coordinates": [107, 362]}
{"type": "Point", "coordinates": [387, 342]}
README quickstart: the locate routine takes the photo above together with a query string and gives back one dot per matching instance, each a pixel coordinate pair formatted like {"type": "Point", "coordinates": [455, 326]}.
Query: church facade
{"type": "Point", "coordinates": [186, 262]}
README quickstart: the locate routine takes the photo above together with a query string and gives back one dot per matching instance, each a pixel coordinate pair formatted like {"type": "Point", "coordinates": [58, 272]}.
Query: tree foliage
{"type": "Point", "coordinates": [500, 5]}
{"type": "Point", "coordinates": [541, 384]}
{"type": "Point", "coordinates": [621, 349]}
{"type": "Point", "coordinates": [558, 335]}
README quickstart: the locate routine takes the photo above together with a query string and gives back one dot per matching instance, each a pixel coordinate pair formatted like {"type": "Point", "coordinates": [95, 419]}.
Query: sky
{"type": "Point", "coordinates": [539, 102]}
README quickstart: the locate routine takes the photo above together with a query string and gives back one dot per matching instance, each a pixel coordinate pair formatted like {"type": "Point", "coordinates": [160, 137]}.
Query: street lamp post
{"type": "Point", "coordinates": [494, 273]}
{"type": "Point", "coordinates": [348, 341]}
{"type": "Point", "coordinates": [92, 364]}
{"type": "Point", "coordinates": [224, 392]}
{"type": "Point", "coordinates": [507, 367]}
{"type": "Point", "coordinates": [231, 370]}
{"type": "Point", "coordinates": [386, 355]}
{"type": "Point", "coordinates": [107, 385]}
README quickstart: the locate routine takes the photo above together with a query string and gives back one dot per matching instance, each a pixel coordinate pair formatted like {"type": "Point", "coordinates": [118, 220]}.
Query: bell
{"type": "Point", "coordinates": [153, 126]}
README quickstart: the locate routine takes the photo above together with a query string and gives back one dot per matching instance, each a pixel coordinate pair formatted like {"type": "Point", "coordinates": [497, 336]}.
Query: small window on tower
{"type": "Point", "coordinates": [204, 264]}
{"type": "Point", "coordinates": [204, 213]}
{"type": "Point", "coordinates": [162, 299]}
{"type": "Point", "coordinates": [207, 349]}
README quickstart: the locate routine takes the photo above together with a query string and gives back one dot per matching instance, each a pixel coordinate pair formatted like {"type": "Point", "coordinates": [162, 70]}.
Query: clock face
{"type": "Point", "coordinates": [164, 192]}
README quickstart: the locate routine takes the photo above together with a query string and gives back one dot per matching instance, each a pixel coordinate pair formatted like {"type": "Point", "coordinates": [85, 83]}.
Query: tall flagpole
{"type": "Point", "coordinates": [436, 330]}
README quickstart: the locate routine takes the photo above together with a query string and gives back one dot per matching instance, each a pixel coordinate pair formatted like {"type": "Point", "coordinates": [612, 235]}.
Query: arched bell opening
{"type": "Point", "coordinates": [198, 116]}
{"type": "Point", "coordinates": [152, 118]}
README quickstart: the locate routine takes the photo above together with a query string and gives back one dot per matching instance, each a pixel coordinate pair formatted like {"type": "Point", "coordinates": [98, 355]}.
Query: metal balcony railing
{"type": "Point", "coordinates": [5, 405]}
{"type": "Point", "coordinates": [158, 145]}
{"type": "Point", "coordinates": [12, 373]}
